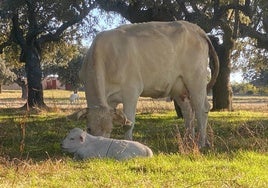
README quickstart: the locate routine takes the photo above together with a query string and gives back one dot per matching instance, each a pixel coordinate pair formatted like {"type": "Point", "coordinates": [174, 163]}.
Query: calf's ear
{"type": "Point", "coordinates": [83, 137]}
{"type": "Point", "coordinates": [120, 117]}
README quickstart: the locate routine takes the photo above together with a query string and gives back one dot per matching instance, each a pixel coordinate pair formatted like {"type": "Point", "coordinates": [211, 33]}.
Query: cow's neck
{"type": "Point", "coordinates": [95, 88]}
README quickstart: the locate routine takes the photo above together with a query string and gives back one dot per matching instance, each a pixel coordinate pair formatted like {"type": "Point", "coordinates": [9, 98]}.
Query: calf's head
{"type": "Point", "coordinates": [100, 121]}
{"type": "Point", "coordinates": [74, 140]}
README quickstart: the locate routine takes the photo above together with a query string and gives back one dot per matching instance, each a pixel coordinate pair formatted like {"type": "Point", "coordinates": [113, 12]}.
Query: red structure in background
{"type": "Point", "coordinates": [52, 82]}
{"type": "Point", "coordinates": [68, 87]}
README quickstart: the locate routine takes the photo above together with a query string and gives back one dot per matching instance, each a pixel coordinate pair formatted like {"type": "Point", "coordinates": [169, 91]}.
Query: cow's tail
{"type": "Point", "coordinates": [215, 67]}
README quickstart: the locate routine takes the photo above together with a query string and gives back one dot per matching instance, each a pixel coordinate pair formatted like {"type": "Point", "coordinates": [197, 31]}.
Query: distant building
{"type": "Point", "coordinates": [49, 82]}
{"type": "Point", "coordinates": [52, 82]}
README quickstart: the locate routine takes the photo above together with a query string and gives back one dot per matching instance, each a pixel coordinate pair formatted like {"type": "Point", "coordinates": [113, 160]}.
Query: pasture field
{"type": "Point", "coordinates": [30, 153]}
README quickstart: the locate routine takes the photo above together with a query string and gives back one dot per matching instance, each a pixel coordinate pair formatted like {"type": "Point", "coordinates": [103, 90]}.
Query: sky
{"type": "Point", "coordinates": [236, 77]}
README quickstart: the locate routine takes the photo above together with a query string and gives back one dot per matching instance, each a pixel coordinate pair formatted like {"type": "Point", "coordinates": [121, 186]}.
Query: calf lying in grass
{"type": "Point", "coordinates": [85, 146]}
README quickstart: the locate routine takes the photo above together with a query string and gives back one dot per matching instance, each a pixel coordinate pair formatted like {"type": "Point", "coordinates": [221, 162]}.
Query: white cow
{"type": "Point", "coordinates": [85, 146]}
{"type": "Point", "coordinates": [155, 59]}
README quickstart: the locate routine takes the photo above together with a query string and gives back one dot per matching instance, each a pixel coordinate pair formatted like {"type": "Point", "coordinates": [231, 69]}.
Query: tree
{"type": "Point", "coordinates": [257, 28]}
{"type": "Point", "coordinates": [261, 79]}
{"type": "Point", "coordinates": [256, 68]}
{"type": "Point", "coordinates": [6, 75]}
{"type": "Point", "coordinates": [252, 61]}
{"type": "Point", "coordinates": [67, 72]}
{"type": "Point", "coordinates": [32, 25]}
{"type": "Point", "coordinates": [8, 64]}
{"type": "Point", "coordinates": [222, 17]}
{"type": "Point", "coordinates": [58, 55]}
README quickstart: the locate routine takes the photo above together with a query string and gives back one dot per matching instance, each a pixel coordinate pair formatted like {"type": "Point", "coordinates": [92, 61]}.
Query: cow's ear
{"type": "Point", "coordinates": [121, 118]}
{"type": "Point", "coordinates": [83, 137]}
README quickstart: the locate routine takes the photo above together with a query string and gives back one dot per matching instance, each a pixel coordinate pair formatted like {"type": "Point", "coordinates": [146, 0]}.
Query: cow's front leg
{"type": "Point", "coordinates": [128, 131]}
{"type": "Point", "coordinates": [129, 109]}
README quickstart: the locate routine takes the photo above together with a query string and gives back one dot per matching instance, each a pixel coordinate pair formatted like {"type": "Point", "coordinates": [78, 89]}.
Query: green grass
{"type": "Point", "coordinates": [30, 154]}
{"type": "Point", "coordinates": [241, 169]}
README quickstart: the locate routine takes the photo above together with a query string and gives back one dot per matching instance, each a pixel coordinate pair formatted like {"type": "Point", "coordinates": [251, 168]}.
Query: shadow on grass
{"type": "Point", "coordinates": [37, 135]}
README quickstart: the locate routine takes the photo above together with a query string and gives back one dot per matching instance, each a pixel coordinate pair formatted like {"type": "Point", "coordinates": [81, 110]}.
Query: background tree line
{"type": "Point", "coordinates": [46, 34]}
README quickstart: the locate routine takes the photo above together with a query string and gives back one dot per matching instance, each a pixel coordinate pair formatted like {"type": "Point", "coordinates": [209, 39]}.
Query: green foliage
{"type": "Point", "coordinates": [46, 18]}
{"type": "Point", "coordinates": [252, 61]}
{"type": "Point", "coordinates": [64, 60]}
{"type": "Point", "coordinates": [58, 55]}
{"type": "Point", "coordinates": [49, 27]}
{"type": "Point", "coordinates": [69, 74]}
{"type": "Point", "coordinates": [263, 90]}
{"type": "Point", "coordinates": [9, 65]}
{"type": "Point", "coordinates": [6, 75]}
{"type": "Point", "coordinates": [244, 89]}
{"type": "Point", "coordinates": [248, 89]}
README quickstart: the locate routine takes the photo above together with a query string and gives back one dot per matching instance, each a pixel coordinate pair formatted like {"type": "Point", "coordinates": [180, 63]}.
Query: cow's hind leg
{"type": "Point", "coordinates": [201, 107]}
{"type": "Point", "coordinates": [188, 115]}
{"type": "Point", "coordinates": [181, 95]}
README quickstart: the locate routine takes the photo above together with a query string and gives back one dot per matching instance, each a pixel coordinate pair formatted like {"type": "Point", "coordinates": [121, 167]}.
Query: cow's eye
{"type": "Point", "coordinates": [71, 138]}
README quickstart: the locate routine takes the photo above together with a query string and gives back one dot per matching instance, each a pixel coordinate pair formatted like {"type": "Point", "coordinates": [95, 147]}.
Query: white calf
{"type": "Point", "coordinates": [85, 146]}
{"type": "Point", "coordinates": [74, 98]}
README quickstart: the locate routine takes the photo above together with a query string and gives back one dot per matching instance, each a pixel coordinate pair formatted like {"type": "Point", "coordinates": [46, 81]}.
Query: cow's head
{"type": "Point", "coordinates": [100, 120]}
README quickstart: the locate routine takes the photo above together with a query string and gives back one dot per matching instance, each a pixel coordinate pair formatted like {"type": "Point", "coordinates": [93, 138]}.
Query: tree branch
{"type": "Point", "coordinates": [236, 21]}
{"type": "Point", "coordinates": [116, 6]}
{"type": "Point", "coordinates": [196, 16]}
{"type": "Point", "coordinates": [137, 11]}
{"type": "Point", "coordinates": [183, 8]}
{"type": "Point", "coordinates": [195, 8]}
{"type": "Point", "coordinates": [33, 26]}
{"type": "Point", "coordinates": [262, 39]}
{"type": "Point", "coordinates": [224, 8]}
{"type": "Point", "coordinates": [16, 32]}
{"type": "Point", "coordinates": [5, 44]}
{"type": "Point", "coordinates": [57, 35]}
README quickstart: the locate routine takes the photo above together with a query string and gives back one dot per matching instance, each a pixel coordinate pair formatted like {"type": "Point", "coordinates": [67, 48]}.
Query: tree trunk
{"type": "Point", "coordinates": [24, 91]}
{"type": "Point", "coordinates": [222, 90]}
{"type": "Point", "coordinates": [24, 88]}
{"type": "Point", "coordinates": [31, 57]}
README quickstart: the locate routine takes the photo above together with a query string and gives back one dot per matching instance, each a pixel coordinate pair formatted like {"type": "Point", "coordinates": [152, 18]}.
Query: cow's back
{"type": "Point", "coordinates": [152, 56]}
